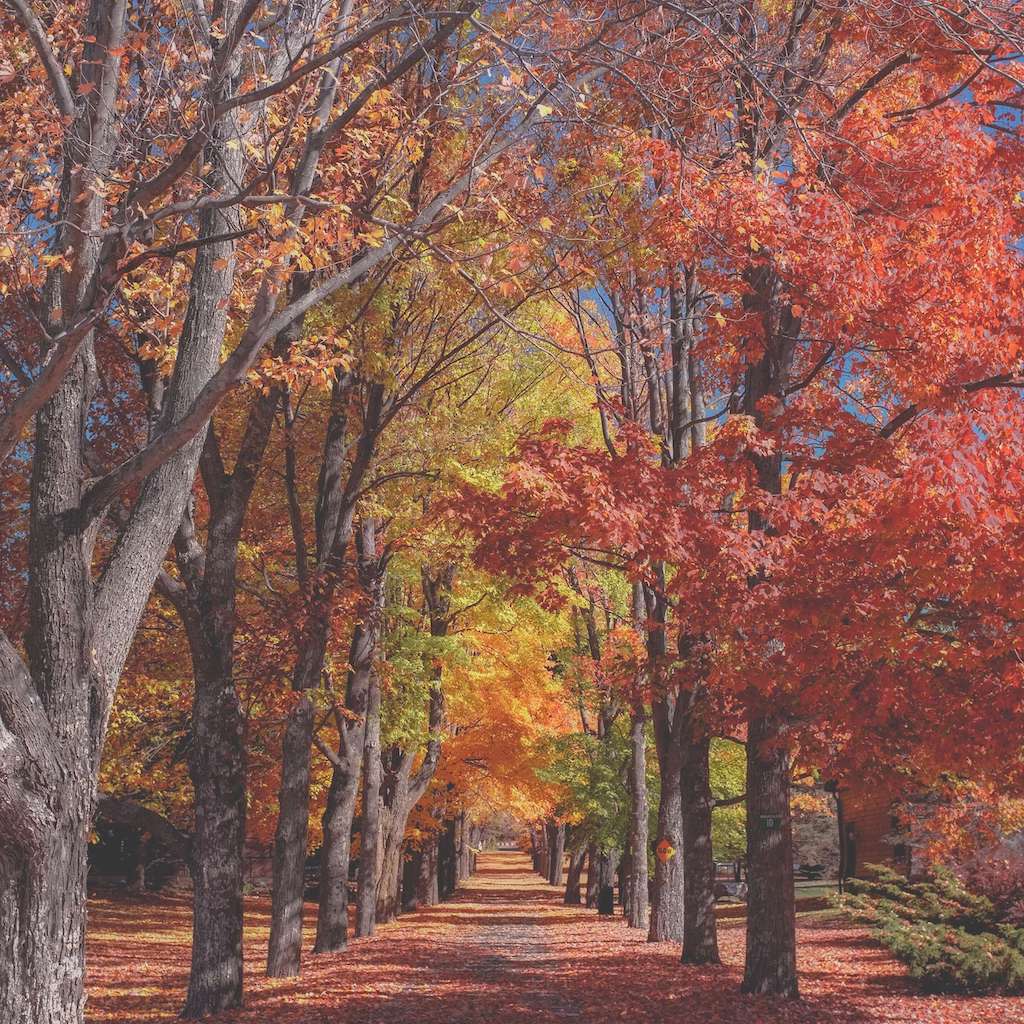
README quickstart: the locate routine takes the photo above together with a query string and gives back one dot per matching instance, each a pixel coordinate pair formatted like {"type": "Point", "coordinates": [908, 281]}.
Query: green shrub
{"type": "Point", "coordinates": [950, 939]}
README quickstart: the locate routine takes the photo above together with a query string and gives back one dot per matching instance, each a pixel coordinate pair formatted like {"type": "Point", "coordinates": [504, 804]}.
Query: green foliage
{"type": "Point", "coordinates": [951, 939]}
{"type": "Point", "coordinates": [728, 780]}
{"type": "Point", "coordinates": [592, 772]}
{"type": "Point", "coordinates": [408, 673]}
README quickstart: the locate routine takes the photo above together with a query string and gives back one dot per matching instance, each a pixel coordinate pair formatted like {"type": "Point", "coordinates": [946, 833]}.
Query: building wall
{"type": "Point", "coordinates": [869, 829]}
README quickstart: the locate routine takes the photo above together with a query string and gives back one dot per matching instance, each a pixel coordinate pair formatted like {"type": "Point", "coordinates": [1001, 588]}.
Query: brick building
{"type": "Point", "coordinates": [870, 831]}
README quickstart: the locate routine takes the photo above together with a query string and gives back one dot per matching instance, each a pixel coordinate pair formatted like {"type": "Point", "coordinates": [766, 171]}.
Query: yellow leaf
{"type": "Point", "coordinates": [544, 110]}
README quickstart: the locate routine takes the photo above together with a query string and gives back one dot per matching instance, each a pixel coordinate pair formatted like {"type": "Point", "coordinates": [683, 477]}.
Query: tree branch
{"type": "Point", "coordinates": [59, 85]}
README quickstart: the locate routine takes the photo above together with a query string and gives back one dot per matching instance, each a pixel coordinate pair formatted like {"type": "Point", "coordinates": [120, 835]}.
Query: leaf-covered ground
{"type": "Point", "coordinates": [507, 951]}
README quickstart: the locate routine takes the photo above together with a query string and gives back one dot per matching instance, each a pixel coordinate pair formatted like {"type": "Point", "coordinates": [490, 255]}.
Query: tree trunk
{"type": "Point", "coordinates": [572, 884]}
{"type": "Point", "coordinates": [593, 875]}
{"type": "Point", "coordinates": [667, 897]}
{"type": "Point", "coordinates": [556, 858]}
{"type": "Point", "coordinates": [607, 865]}
{"type": "Point", "coordinates": [700, 933]}
{"type": "Point", "coordinates": [446, 860]}
{"type": "Point", "coordinates": [637, 897]}
{"type": "Point", "coordinates": [625, 873]}
{"type": "Point", "coordinates": [389, 887]}
{"type": "Point", "coordinates": [42, 917]}
{"type": "Point", "coordinates": [427, 888]}
{"type": "Point", "coordinates": [369, 852]}
{"type": "Point", "coordinates": [335, 855]}
{"type": "Point", "coordinates": [217, 769]}
{"type": "Point", "coordinates": [463, 840]}
{"type": "Point", "coordinates": [771, 921]}
{"type": "Point", "coordinates": [335, 510]}
{"type": "Point", "coordinates": [290, 843]}
{"type": "Point", "coordinates": [400, 790]}
{"type": "Point", "coordinates": [332, 916]}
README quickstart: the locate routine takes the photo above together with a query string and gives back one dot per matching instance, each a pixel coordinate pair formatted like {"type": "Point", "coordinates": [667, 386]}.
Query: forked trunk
{"type": "Point", "coordinates": [771, 923]}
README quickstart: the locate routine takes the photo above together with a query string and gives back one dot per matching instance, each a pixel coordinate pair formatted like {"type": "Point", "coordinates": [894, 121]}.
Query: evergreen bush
{"type": "Point", "coordinates": [952, 940]}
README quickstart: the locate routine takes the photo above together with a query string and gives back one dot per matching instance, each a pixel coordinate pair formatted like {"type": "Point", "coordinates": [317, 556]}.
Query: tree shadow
{"type": "Point", "coordinates": [506, 949]}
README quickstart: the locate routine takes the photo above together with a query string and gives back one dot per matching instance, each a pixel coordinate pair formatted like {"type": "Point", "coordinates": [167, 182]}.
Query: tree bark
{"type": "Point", "coordinates": [637, 897]}
{"type": "Point", "coordinates": [572, 883]}
{"type": "Point", "coordinates": [332, 916]}
{"type": "Point", "coordinates": [593, 876]}
{"type": "Point", "coordinates": [607, 865]}
{"type": "Point", "coordinates": [465, 848]}
{"type": "Point", "coordinates": [42, 901]}
{"type": "Point", "coordinates": [771, 920]}
{"type": "Point", "coordinates": [369, 851]}
{"type": "Point", "coordinates": [556, 858]}
{"type": "Point", "coordinates": [427, 888]}
{"type": "Point", "coordinates": [389, 904]}
{"type": "Point", "coordinates": [217, 769]}
{"type": "Point", "coordinates": [334, 526]}
{"type": "Point", "coordinates": [667, 897]}
{"type": "Point", "coordinates": [289, 858]}
{"type": "Point", "coordinates": [700, 932]}
{"type": "Point", "coordinates": [446, 860]}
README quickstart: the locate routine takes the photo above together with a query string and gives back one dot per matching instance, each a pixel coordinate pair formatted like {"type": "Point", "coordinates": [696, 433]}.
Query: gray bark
{"type": "Point", "coordinates": [770, 967]}
{"type": "Point", "coordinates": [667, 902]}
{"type": "Point", "coordinates": [593, 876]}
{"type": "Point", "coordinates": [332, 918]}
{"type": "Point", "coordinates": [369, 853]}
{"type": "Point", "coordinates": [556, 857]}
{"type": "Point", "coordinates": [638, 900]}
{"type": "Point", "coordinates": [336, 500]}
{"type": "Point", "coordinates": [572, 883]}
{"type": "Point", "coordinates": [700, 933]}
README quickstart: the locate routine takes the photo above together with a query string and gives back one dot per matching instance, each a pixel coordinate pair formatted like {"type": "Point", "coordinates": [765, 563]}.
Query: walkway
{"type": "Point", "coordinates": [507, 951]}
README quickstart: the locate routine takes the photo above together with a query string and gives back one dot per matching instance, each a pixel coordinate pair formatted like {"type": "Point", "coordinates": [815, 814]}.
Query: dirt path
{"type": "Point", "coordinates": [507, 951]}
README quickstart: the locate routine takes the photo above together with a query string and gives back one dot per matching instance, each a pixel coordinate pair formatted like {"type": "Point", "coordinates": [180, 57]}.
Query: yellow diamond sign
{"type": "Point", "coordinates": [665, 851]}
